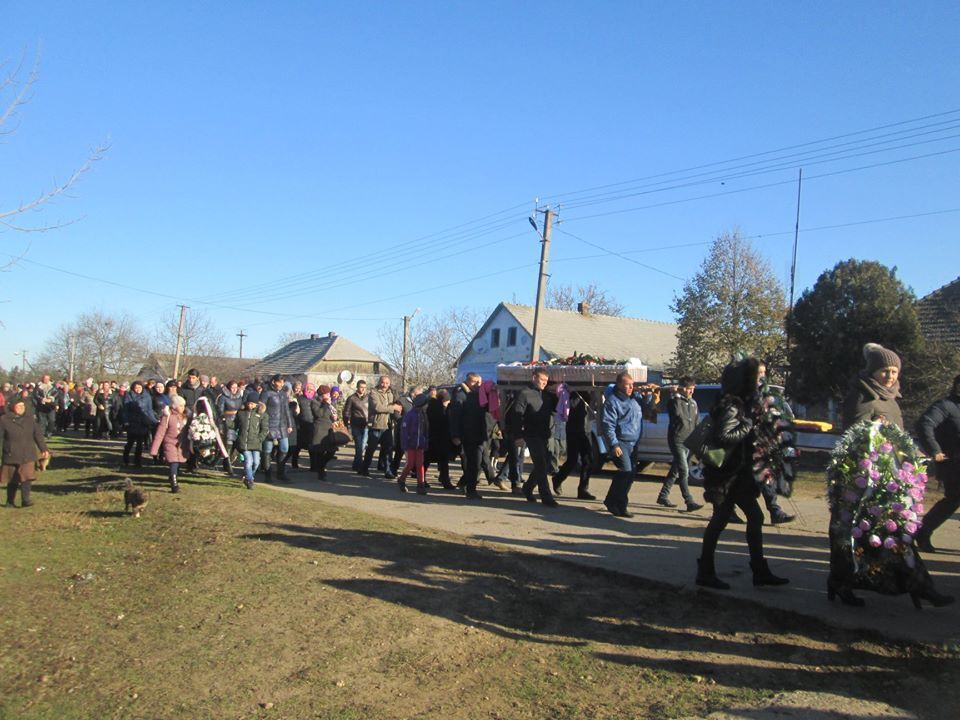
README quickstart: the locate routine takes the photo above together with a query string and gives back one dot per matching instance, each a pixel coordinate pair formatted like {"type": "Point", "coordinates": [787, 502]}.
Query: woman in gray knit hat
{"type": "Point", "coordinates": [874, 393]}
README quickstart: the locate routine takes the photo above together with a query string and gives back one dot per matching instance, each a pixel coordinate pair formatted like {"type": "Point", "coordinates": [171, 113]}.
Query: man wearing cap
{"type": "Point", "coordinates": [21, 437]}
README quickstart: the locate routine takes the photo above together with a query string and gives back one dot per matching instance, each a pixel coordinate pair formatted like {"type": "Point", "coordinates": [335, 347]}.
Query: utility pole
{"type": "Point", "coordinates": [176, 358]}
{"type": "Point", "coordinates": [541, 282]}
{"type": "Point", "coordinates": [241, 335]}
{"type": "Point", "coordinates": [23, 362]}
{"type": "Point", "coordinates": [793, 265]}
{"type": "Point", "coordinates": [406, 345]}
{"type": "Point", "coordinates": [73, 355]}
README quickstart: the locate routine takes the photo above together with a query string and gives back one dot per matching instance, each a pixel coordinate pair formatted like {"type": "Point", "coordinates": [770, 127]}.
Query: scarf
{"type": "Point", "coordinates": [882, 392]}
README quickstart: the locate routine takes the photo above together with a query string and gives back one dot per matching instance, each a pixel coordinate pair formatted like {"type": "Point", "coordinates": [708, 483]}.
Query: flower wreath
{"type": "Point", "coordinates": [203, 433]}
{"type": "Point", "coordinates": [775, 450]}
{"type": "Point", "coordinates": [875, 487]}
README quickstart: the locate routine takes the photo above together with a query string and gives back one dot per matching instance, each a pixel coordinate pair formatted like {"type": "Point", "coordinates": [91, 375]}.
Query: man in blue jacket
{"type": "Point", "coordinates": [620, 424]}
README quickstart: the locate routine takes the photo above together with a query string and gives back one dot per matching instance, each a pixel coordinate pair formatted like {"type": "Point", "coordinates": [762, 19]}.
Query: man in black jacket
{"type": "Point", "coordinates": [684, 415]}
{"type": "Point", "coordinates": [579, 448]}
{"type": "Point", "coordinates": [530, 420]}
{"type": "Point", "coordinates": [468, 429]}
{"type": "Point", "coordinates": [939, 433]}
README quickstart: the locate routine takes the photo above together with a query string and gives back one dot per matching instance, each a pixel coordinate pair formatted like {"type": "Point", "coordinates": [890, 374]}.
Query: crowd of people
{"type": "Point", "coordinates": [257, 427]}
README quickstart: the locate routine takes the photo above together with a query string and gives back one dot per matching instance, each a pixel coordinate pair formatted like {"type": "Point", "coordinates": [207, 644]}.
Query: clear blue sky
{"type": "Point", "coordinates": [322, 152]}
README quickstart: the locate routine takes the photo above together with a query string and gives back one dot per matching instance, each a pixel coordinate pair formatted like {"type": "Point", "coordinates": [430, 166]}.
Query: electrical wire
{"type": "Point", "coordinates": [555, 197]}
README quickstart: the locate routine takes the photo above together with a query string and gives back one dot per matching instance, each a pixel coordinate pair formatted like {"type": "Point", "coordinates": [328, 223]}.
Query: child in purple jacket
{"type": "Point", "coordinates": [414, 431]}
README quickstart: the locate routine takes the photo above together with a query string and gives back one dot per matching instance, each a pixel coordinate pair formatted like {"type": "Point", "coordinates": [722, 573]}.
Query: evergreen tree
{"type": "Point", "coordinates": [857, 302]}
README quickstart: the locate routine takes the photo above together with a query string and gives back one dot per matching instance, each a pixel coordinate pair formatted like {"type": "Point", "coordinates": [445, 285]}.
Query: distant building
{"type": "Point", "coordinates": [939, 314]}
{"type": "Point", "coordinates": [507, 335]}
{"type": "Point", "coordinates": [320, 359]}
{"type": "Point", "coordinates": [159, 366]}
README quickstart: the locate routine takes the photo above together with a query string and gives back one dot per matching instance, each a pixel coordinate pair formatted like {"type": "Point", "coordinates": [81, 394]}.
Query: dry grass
{"type": "Point", "coordinates": [222, 603]}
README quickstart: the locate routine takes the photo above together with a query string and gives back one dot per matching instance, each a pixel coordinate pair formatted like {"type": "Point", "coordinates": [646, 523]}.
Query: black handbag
{"type": "Point", "coordinates": [699, 442]}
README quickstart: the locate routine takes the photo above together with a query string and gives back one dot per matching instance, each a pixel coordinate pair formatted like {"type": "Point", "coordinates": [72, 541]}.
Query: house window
{"type": "Point", "coordinates": [511, 337]}
{"type": "Point", "coordinates": [495, 338]}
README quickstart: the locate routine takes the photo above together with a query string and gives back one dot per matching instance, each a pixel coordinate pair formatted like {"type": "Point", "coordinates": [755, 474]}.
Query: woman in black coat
{"type": "Point", "coordinates": [323, 447]}
{"type": "Point", "coordinates": [733, 483]}
{"type": "Point", "coordinates": [439, 447]}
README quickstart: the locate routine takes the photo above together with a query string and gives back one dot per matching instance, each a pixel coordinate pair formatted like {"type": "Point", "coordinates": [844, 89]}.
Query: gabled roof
{"type": "Point", "coordinates": [939, 314]}
{"type": "Point", "coordinates": [563, 333]}
{"type": "Point", "coordinates": [301, 356]}
{"type": "Point", "coordinates": [161, 365]}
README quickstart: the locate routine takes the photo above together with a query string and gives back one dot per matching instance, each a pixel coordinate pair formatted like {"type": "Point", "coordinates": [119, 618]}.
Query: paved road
{"type": "Point", "coordinates": [659, 544]}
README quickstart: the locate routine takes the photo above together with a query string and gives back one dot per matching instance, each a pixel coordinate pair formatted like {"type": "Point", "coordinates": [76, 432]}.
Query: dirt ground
{"type": "Point", "coordinates": [224, 603]}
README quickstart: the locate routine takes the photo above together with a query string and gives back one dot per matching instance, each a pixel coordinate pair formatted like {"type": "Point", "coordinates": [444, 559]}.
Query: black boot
{"type": "Point", "coordinates": [25, 500]}
{"type": "Point", "coordinates": [282, 472]}
{"type": "Point", "coordinates": [707, 576]}
{"type": "Point", "coordinates": [12, 492]}
{"type": "Point", "coordinates": [174, 486]}
{"type": "Point", "coordinates": [763, 576]}
{"type": "Point", "coordinates": [927, 593]}
{"type": "Point", "coordinates": [835, 589]}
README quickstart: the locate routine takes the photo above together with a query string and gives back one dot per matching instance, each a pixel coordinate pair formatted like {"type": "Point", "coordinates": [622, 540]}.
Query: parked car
{"type": "Point", "coordinates": [810, 436]}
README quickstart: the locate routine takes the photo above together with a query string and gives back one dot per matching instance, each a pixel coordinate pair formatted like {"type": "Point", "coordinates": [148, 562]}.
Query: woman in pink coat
{"type": "Point", "coordinates": [172, 435]}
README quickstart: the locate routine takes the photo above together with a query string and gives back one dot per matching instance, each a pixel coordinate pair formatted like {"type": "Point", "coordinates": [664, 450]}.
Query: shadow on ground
{"type": "Point", "coordinates": [619, 619]}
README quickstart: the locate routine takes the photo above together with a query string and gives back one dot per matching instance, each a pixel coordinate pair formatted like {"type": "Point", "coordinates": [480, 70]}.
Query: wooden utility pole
{"type": "Point", "coordinates": [241, 335]}
{"type": "Point", "coordinates": [406, 345]}
{"type": "Point", "coordinates": [176, 358]}
{"type": "Point", "coordinates": [541, 284]}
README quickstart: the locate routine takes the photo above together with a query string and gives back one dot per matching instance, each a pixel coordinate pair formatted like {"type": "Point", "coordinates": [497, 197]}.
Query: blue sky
{"type": "Point", "coordinates": [311, 166]}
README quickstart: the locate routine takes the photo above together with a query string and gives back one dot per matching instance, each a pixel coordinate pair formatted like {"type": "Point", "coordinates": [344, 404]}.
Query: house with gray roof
{"type": "Point", "coordinates": [322, 359]}
{"type": "Point", "coordinates": [939, 314]}
{"type": "Point", "coordinates": [507, 335]}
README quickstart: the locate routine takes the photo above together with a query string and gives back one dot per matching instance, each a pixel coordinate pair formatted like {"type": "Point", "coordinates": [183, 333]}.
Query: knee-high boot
{"type": "Point", "coordinates": [12, 491]}
{"type": "Point", "coordinates": [25, 500]}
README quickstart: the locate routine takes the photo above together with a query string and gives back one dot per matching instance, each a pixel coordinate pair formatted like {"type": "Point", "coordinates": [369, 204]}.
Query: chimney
{"type": "Point", "coordinates": [583, 308]}
{"type": "Point", "coordinates": [314, 336]}
{"type": "Point", "coordinates": [331, 334]}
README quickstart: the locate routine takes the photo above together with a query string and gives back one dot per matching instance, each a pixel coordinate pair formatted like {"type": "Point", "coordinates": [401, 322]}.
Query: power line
{"type": "Point", "coordinates": [758, 154]}
{"type": "Point", "coordinates": [806, 162]}
{"type": "Point", "coordinates": [759, 187]}
{"type": "Point", "coordinates": [621, 255]}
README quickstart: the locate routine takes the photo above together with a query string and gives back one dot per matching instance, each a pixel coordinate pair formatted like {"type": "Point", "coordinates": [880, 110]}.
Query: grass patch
{"type": "Point", "coordinates": [224, 603]}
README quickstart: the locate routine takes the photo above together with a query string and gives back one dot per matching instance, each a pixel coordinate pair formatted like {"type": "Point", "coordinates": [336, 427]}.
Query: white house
{"type": "Point", "coordinates": [507, 334]}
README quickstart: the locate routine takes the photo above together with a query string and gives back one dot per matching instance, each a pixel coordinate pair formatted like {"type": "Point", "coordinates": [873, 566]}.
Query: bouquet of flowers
{"type": "Point", "coordinates": [203, 434]}
{"type": "Point", "coordinates": [875, 487]}
{"type": "Point", "coordinates": [775, 453]}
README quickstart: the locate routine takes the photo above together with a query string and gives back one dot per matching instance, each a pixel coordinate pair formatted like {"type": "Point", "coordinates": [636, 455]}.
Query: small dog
{"type": "Point", "coordinates": [42, 463]}
{"type": "Point", "coordinates": [134, 498]}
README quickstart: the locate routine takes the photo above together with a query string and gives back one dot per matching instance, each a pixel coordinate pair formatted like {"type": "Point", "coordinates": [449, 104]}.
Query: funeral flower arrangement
{"type": "Point", "coordinates": [875, 487]}
{"type": "Point", "coordinates": [775, 450]}
{"type": "Point", "coordinates": [203, 433]}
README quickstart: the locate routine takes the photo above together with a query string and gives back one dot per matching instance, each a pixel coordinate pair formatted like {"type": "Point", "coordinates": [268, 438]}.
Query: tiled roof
{"type": "Point", "coordinates": [301, 356]}
{"type": "Point", "coordinates": [562, 333]}
{"type": "Point", "coordinates": [939, 314]}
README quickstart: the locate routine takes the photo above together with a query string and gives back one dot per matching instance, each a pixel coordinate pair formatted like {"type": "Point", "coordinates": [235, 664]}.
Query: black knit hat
{"type": "Point", "coordinates": [878, 357]}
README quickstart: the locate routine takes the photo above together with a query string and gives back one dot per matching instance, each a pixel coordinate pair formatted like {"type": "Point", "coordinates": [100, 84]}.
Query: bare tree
{"type": "Point", "coordinates": [201, 337]}
{"type": "Point", "coordinates": [567, 297]}
{"type": "Point", "coordinates": [15, 88]}
{"type": "Point", "coordinates": [436, 342]}
{"type": "Point", "coordinates": [106, 346]}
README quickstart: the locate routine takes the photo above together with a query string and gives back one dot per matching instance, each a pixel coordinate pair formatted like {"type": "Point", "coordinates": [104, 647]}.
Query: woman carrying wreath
{"type": "Point", "coordinates": [875, 488]}
{"type": "Point", "coordinates": [734, 483]}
